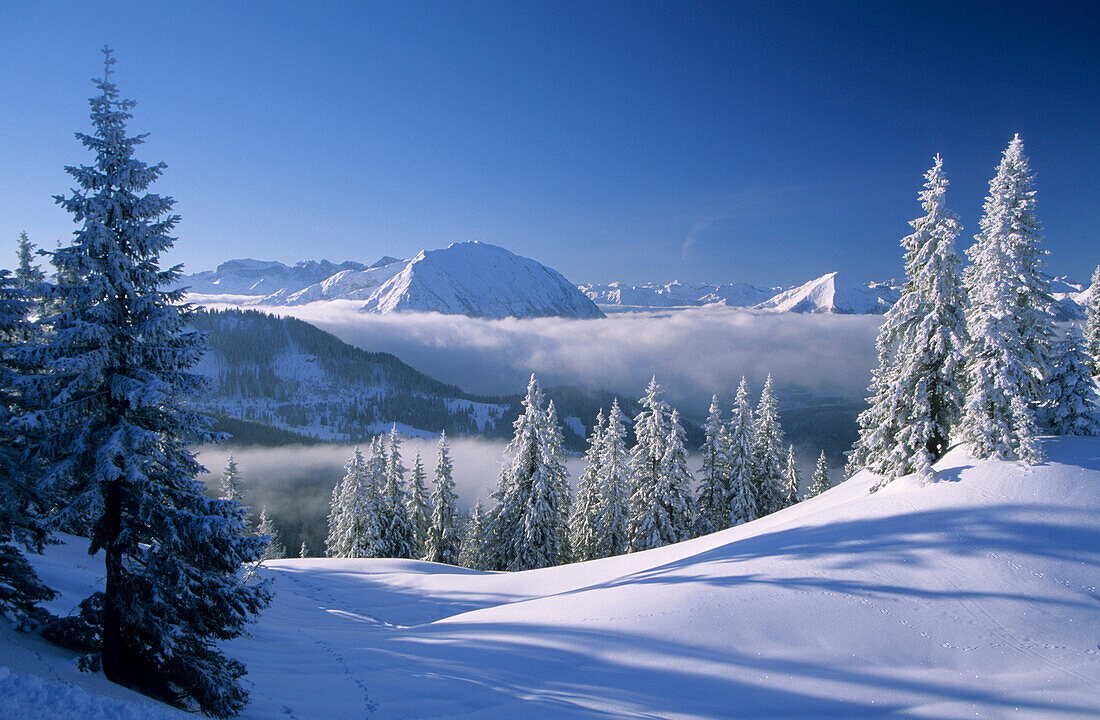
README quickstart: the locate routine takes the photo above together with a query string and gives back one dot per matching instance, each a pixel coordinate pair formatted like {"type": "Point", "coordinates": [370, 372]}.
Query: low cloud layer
{"type": "Point", "coordinates": [694, 353]}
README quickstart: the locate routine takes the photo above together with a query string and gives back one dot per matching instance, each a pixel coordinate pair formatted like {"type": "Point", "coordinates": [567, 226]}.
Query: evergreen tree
{"type": "Point", "coordinates": [527, 529]}
{"type": "Point", "coordinates": [613, 512]}
{"type": "Point", "coordinates": [469, 554]}
{"type": "Point", "coordinates": [712, 509]}
{"type": "Point", "coordinates": [303, 552]}
{"type": "Point", "coordinates": [398, 536]}
{"type": "Point", "coordinates": [651, 434]}
{"type": "Point", "coordinates": [915, 392]}
{"type": "Point", "coordinates": [767, 453]}
{"type": "Point", "coordinates": [1009, 321]}
{"type": "Point", "coordinates": [742, 502]}
{"type": "Point", "coordinates": [558, 474]}
{"type": "Point", "coordinates": [1072, 406]}
{"type": "Point", "coordinates": [791, 480]}
{"type": "Point", "coordinates": [267, 529]}
{"type": "Point", "coordinates": [584, 529]}
{"type": "Point", "coordinates": [231, 485]}
{"type": "Point", "coordinates": [444, 539]}
{"type": "Point", "coordinates": [354, 528]}
{"type": "Point", "coordinates": [28, 273]}
{"type": "Point", "coordinates": [22, 498]}
{"type": "Point", "coordinates": [674, 490]}
{"type": "Point", "coordinates": [420, 511]}
{"type": "Point", "coordinates": [1092, 323]}
{"type": "Point", "coordinates": [117, 434]}
{"type": "Point", "coordinates": [820, 481]}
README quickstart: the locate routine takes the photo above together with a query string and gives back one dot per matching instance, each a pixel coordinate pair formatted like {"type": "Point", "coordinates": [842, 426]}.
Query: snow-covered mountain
{"type": "Point", "coordinates": [677, 294]}
{"type": "Point", "coordinates": [262, 277]}
{"type": "Point", "coordinates": [834, 293]}
{"type": "Point", "coordinates": [975, 596]}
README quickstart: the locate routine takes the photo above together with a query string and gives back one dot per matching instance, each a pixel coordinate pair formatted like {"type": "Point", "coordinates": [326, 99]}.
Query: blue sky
{"type": "Point", "coordinates": [760, 142]}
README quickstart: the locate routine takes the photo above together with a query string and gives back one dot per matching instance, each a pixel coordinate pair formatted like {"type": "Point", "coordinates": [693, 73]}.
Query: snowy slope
{"type": "Point", "coordinates": [833, 293]}
{"type": "Point", "coordinates": [262, 277]}
{"type": "Point", "coordinates": [675, 294]}
{"type": "Point", "coordinates": [973, 597]}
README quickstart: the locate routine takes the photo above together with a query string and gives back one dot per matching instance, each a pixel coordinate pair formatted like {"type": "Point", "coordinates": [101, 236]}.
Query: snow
{"type": "Point", "coordinates": [677, 294]}
{"type": "Point", "coordinates": [833, 293]}
{"type": "Point", "coordinates": [975, 596]}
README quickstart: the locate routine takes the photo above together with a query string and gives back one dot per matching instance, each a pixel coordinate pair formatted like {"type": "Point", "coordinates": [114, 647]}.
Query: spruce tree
{"type": "Point", "coordinates": [650, 435]}
{"type": "Point", "coordinates": [767, 453]}
{"type": "Point", "coordinates": [420, 509]}
{"type": "Point", "coordinates": [1008, 320]}
{"type": "Point", "coordinates": [613, 519]}
{"type": "Point", "coordinates": [791, 480]}
{"type": "Point", "coordinates": [27, 273]}
{"type": "Point", "coordinates": [303, 552]}
{"type": "Point", "coordinates": [820, 482]}
{"type": "Point", "coordinates": [1072, 406]}
{"type": "Point", "coordinates": [742, 500]}
{"type": "Point", "coordinates": [231, 485]}
{"type": "Point", "coordinates": [266, 529]}
{"type": "Point", "coordinates": [444, 540]}
{"type": "Point", "coordinates": [916, 396]}
{"type": "Point", "coordinates": [584, 529]}
{"type": "Point", "coordinates": [469, 554]}
{"type": "Point", "coordinates": [354, 527]}
{"type": "Point", "coordinates": [1092, 323]}
{"type": "Point", "coordinates": [398, 536]}
{"type": "Point", "coordinates": [712, 508]}
{"type": "Point", "coordinates": [674, 489]}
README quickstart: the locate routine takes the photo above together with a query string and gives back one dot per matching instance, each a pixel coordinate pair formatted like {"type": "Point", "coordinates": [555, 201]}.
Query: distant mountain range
{"type": "Point", "coordinates": [481, 280]}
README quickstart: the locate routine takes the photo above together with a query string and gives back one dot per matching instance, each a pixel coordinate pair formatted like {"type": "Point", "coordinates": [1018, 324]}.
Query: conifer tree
{"type": "Point", "coordinates": [266, 528]}
{"type": "Point", "coordinates": [469, 554]}
{"type": "Point", "coordinates": [742, 502]}
{"type": "Point", "coordinates": [1072, 406]}
{"type": "Point", "coordinates": [28, 273]}
{"type": "Point", "coordinates": [354, 527]}
{"type": "Point", "coordinates": [303, 552]}
{"type": "Point", "coordinates": [651, 434]}
{"type": "Point", "coordinates": [1092, 323]}
{"type": "Point", "coordinates": [117, 433]}
{"type": "Point", "coordinates": [444, 540]}
{"type": "Point", "coordinates": [791, 480]}
{"type": "Point", "coordinates": [1008, 320]}
{"type": "Point", "coordinates": [420, 509]}
{"type": "Point", "coordinates": [916, 396]}
{"type": "Point", "coordinates": [674, 490]}
{"type": "Point", "coordinates": [398, 536]}
{"type": "Point", "coordinates": [820, 482]}
{"type": "Point", "coordinates": [613, 519]}
{"type": "Point", "coordinates": [584, 528]}
{"type": "Point", "coordinates": [767, 453]}
{"type": "Point", "coordinates": [559, 476]}
{"type": "Point", "coordinates": [231, 485]}
{"type": "Point", "coordinates": [712, 508]}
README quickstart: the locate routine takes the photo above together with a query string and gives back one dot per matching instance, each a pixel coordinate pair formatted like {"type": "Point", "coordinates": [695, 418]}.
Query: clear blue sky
{"type": "Point", "coordinates": [764, 142]}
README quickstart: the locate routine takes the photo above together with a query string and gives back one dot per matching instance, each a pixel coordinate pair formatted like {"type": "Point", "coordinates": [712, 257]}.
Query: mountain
{"type": "Point", "coordinates": [834, 293]}
{"type": "Point", "coordinates": [261, 277]}
{"type": "Point", "coordinates": [677, 294]}
{"type": "Point", "coordinates": [975, 596]}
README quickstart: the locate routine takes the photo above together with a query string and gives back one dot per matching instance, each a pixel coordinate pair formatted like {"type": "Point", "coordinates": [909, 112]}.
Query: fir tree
{"type": "Point", "coordinates": [651, 434]}
{"type": "Point", "coordinates": [398, 536]}
{"type": "Point", "coordinates": [915, 392]}
{"type": "Point", "coordinates": [791, 480]}
{"type": "Point", "coordinates": [1072, 406]}
{"type": "Point", "coordinates": [303, 552]}
{"type": "Point", "coordinates": [231, 484]}
{"type": "Point", "coordinates": [820, 481]}
{"type": "Point", "coordinates": [1092, 323]}
{"type": "Point", "coordinates": [28, 273]}
{"type": "Point", "coordinates": [613, 518]}
{"type": "Point", "coordinates": [469, 554]}
{"type": "Point", "coordinates": [527, 529]}
{"type": "Point", "coordinates": [584, 529]}
{"type": "Point", "coordinates": [354, 528]}
{"type": "Point", "coordinates": [742, 501]}
{"type": "Point", "coordinates": [420, 511]}
{"type": "Point", "coordinates": [118, 435]}
{"type": "Point", "coordinates": [712, 508]}
{"type": "Point", "coordinates": [674, 490]}
{"type": "Point", "coordinates": [266, 529]}
{"type": "Point", "coordinates": [1009, 321]}
{"type": "Point", "coordinates": [767, 453]}
{"type": "Point", "coordinates": [443, 537]}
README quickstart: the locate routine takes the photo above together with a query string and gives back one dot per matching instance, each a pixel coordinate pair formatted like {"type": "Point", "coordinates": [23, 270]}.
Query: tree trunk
{"type": "Point", "coordinates": [111, 652]}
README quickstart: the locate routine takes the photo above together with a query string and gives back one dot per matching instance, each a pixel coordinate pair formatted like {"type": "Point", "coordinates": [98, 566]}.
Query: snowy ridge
{"type": "Point", "coordinates": [833, 293]}
{"type": "Point", "coordinates": [677, 294]}
{"type": "Point", "coordinates": [261, 277]}
{"type": "Point", "coordinates": [975, 596]}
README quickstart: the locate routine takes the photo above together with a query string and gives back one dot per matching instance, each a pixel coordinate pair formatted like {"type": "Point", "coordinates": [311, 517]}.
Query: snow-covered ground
{"type": "Point", "coordinates": [973, 597]}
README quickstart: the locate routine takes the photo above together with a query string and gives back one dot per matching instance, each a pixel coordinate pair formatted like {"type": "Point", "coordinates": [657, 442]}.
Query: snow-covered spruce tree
{"type": "Point", "coordinates": [767, 453]}
{"type": "Point", "coordinates": [584, 529]}
{"type": "Point", "coordinates": [303, 552]}
{"type": "Point", "coordinates": [819, 483]}
{"type": "Point", "coordinates": [27, 272]}
{"type": "Point", "coordinates": [712, 506]}
{"type": "Point", "coordinates": [231, 486]}
{"type": "Point", "coordinates": [916, 395]}
{"type": "Point", "coordinates": [527, 530]}
{"type": "Point", "coordinates": [444, 540]}
{"type": "Point", "coordinates": [398, 536]}
{"type": "Point", "coordinates": [791, 480]}
{"type": "Point", "coordinates": [22, 498]}
{"type": "Point", "coordinates": [674, 486]}
{"type": "Point", "coordinates": [742, 498]}
{"type": "Point", "coordinates": [650, 434]}
{"type": "Point", "coordinates": [266, 528]}
{"type": "Point", "coordinates": [1008, 320]}
{"type": "Point", "coordinates": [613, 514]}
{"type": "Point", "coordinates": [420, 510]}
{"type": "Point", "coordinates": [117, 434]}
{"type": "Point", "coordinates": [555, 453]}
{"type": "Point", "coordinates": [353, 525]}
{"type": "Point", "coordinates": [469, 554]}
{"type": "Point", "coordinates": [1092, 323]}
{"type": "Point", "coordinates": [1072, 406]}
